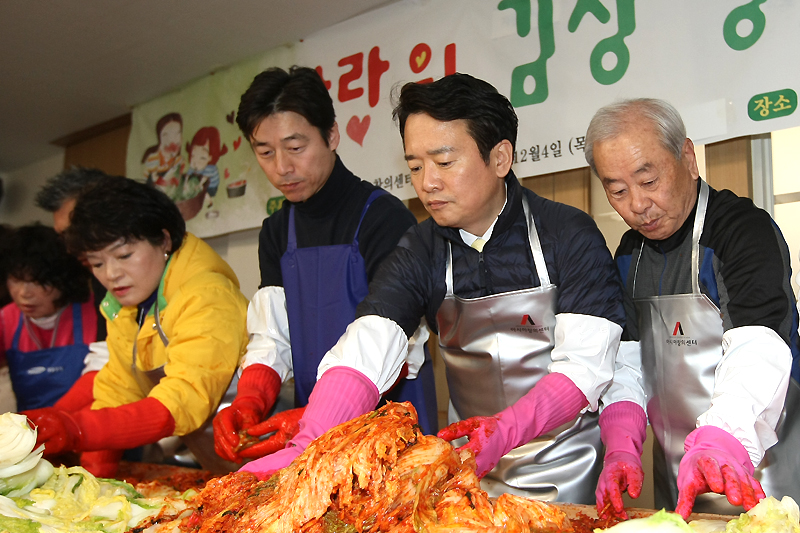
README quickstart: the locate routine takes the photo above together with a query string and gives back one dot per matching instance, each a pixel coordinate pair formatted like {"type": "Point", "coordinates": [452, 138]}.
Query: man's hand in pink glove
{"type": "Point", "coordinates": [340, 394]}
{"type": "Point", "coordinates": [715, 461]}
{"type": "Point", "coordinates": [554, 400]}
{"type": "Point", "coordinates": [256, 392]}
{"type": "Point", "coordinates": [483, 434]}
{"type": "Point", "coordinates": [622, 472]}
{"type": "Point", "coordinates": [284, 425]}
{"type": "Point", "coordinates": [623, 427]}
{"type": "Point", "coordinates": [266, 466]}
{"type": "Point", "coordinates": [55, 429]}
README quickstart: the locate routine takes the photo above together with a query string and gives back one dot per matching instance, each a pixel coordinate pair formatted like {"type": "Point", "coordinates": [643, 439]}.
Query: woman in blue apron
{"type": "Point", "coordinates": [51, 321]}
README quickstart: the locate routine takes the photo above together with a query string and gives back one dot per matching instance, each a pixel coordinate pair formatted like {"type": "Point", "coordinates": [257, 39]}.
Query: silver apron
{"type": "Point", "coordinates": [681, 342]}
{"type": "Point", "coordinates": [200, 442]}
{"type": "Point", "coordinates": [496, 348]}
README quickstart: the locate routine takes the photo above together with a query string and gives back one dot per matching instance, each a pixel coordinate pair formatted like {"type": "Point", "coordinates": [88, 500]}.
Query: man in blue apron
{"type": "Point", "coordinates": [710, 348]}
{"type": "Point", "coordinates": [317, 254]}
{"type": "Point", "coordinates": [521, 290]}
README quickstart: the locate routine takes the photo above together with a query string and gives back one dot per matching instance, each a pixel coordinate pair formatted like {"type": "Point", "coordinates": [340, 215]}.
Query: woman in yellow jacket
{"type": "Point", "coordinates": [176, 329]}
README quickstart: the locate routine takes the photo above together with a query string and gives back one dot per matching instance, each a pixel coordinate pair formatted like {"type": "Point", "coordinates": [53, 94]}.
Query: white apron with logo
{"type": "Point", "coordinates": [681, 342]}
{"type": "Point", "coordinates": [496, 349]}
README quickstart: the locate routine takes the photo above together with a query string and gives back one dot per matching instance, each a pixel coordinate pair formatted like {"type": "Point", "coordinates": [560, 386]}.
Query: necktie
{"type": "Point", "coordinates": [479, 244]}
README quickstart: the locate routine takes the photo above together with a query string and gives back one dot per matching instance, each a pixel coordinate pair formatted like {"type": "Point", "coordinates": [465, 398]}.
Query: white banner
{"type": "Point", "coordinates": [728, 66]}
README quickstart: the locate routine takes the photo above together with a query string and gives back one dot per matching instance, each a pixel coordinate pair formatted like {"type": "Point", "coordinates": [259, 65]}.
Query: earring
{"type": "Point", "coordinates": [166, 256]}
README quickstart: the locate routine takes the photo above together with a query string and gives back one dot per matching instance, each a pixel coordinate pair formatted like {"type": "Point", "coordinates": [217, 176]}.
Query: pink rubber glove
{"type": "Point", "coordinates": [623, 428]}
{"type": "Point", "coordinates": [715, 461]}
{"type": "Point", "coordinates": [554, 400]}
{"type": "Point", "coordinates": [341, 394]}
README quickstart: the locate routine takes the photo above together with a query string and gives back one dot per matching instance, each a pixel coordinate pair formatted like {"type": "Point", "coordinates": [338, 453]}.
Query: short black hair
{"type": "Point", "coordinates": [489, 115]}
{"type": "Point", "coordinates": [300, 90]}
{"type": "Point", "coordinates": [66, 185]}
{"type": "Point", "coordinates": [121, 208]}
{"type": "Point", "coordinates": [36, 253]}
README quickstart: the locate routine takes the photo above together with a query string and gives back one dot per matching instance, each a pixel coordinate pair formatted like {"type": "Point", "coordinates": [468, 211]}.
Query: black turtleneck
{"type": "Point", "coordinates": [744, 266]}
{"type": "Point", "coordinates": [331, 217]}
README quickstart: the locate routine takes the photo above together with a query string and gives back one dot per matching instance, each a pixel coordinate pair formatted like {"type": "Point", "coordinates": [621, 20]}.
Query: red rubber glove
{"type": "Point", "coordinates": [55, 429]}
{"type": "Point", "coordinates": [103, 463]}
{"type": "Point", "coordinates": [715, 461]}
{"type": "Point", "coordinates": [256, 393]}
{"type": "Point", "coordinates": [79, 396]}
{"type": "Point", "coordinates": [623, 428]}
{"type": "Point", "coordinates": [554, 400]}
{"type": "Point", "coordinates": [341, 394]}
{"type": "Point", "coordinates": [112, 428]}
{"type": "Point", "coordinates": [284, 425]}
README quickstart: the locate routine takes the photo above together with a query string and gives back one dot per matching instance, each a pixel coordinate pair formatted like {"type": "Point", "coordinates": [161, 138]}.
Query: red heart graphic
{"type": "Point", "coordinates": [227, 173]}
{"type": "Point", "coordinates": [237, 143]}
{"type": "Point", "coordinates": [229, 117]}
{"type": "Point", "coordinates": [357, 129]}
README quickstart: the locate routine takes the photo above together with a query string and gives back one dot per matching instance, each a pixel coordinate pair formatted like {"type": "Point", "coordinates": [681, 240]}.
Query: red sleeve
{"type": "Point", "coordinates": [89, 314]}
{"type": "Point", "coordinates": [9, 317]}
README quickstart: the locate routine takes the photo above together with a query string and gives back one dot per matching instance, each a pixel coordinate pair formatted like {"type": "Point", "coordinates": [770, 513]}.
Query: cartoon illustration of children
{"type": "Point", "coordinates": [163, 162]}
{"type": "Point", "coordinates": [204, 152]}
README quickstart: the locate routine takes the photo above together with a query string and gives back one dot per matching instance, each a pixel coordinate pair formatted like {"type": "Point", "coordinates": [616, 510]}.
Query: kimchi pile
{"type": "Point", "coordinates": [377, 472]}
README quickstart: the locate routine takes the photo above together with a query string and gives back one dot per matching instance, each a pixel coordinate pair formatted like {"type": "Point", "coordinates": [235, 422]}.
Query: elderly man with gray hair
{"type": "Point", "coordinates": [710, 349]}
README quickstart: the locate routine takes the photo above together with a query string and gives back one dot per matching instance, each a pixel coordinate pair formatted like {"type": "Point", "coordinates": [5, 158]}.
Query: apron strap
{"type": "Point", "coordinates": [699, 221]}
{"type": "Point", "coordinates": [375, 194]}
{"type": "Point", "coordinates": [536, 245]}
{"type": "Point", "coordinates": [32, 334]}
{"type": "Point", "coordinates": [77, 324]}
{"type": "Point", "coordinates": [15, 340]}
{"type": "Point", "coordinates": [161, 333]}
{"type": "Point", "coordinates": [291, 243]}
{"type": "Point", "coordinates": [697, 231]}
{"type": "Point", "coordinates": [536, 251]}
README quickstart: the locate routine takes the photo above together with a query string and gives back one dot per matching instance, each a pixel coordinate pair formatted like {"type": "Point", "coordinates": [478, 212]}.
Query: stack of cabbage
{"type": "Point", "coordinates": [21, 467]}
{"type": "Point", "coordinates": [34, 497]}
{"type": "Point", "coordinates": [769, 516]}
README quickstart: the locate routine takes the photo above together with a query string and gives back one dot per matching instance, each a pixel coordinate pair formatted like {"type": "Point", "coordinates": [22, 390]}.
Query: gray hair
{"type": "Point", "coordinates": [66, 185]}
{"type": "Point", "coordinates": [612, 120]}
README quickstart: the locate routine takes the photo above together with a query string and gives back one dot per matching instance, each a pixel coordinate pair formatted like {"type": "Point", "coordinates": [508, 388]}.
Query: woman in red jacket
{"type": "Point", "coordinates": [46, 331]}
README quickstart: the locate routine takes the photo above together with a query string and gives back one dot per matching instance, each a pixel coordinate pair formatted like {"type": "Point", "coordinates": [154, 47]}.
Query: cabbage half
{"type": "Point", "coordinates": [661, 522]}
{"type": "Point", "coordinates": [21, 467]}
{"type": "Point", "coordinates": [73, 500]}
{"type": "Point", "coordinates": [769, 516]}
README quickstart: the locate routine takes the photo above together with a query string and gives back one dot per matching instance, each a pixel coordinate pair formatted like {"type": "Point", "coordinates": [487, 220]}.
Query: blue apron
{"type": "Point", "coordinates": [323, 287]}
{"type": "Point", "coordinates": [41, 377]}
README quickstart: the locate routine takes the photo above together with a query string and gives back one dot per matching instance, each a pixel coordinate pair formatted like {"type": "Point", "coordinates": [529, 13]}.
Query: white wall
{"type": "Point", "coordinates": [19, 190]}
{"type": "Point", "coordinates": [240, 250]}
